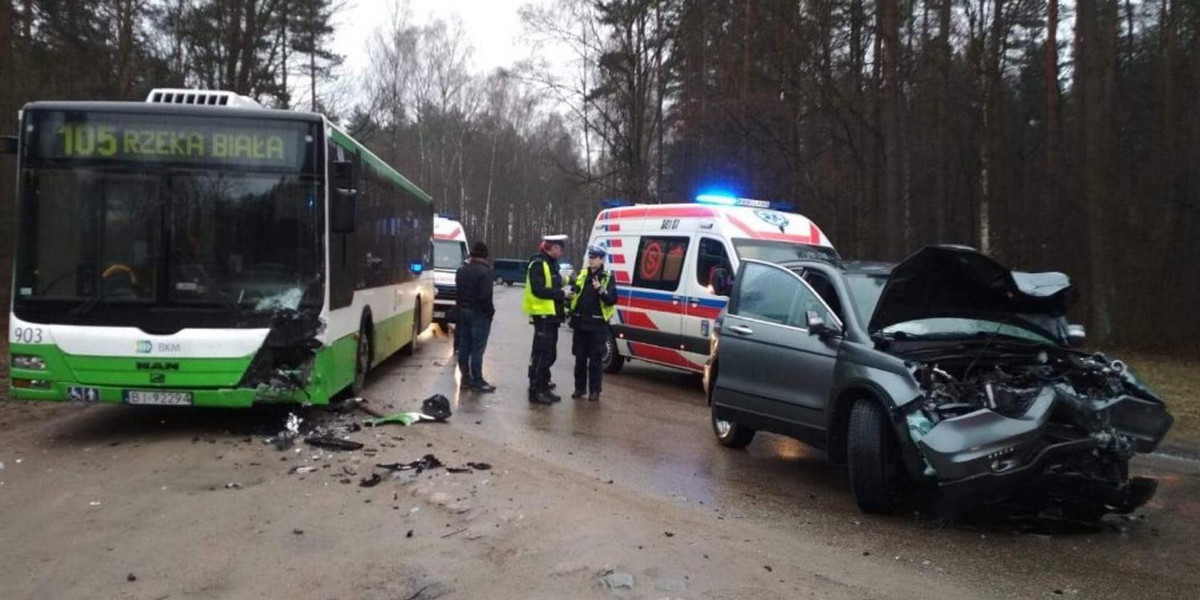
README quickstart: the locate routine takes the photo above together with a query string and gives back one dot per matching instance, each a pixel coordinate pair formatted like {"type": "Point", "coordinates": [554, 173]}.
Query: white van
{"type": "Point", "coordinates": [663, 257]}
{"type": "Point", "coordinates": [449, 252]}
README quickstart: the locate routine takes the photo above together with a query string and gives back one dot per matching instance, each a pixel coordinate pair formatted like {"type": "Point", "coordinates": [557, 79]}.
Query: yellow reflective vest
{"type": "Point", "coordinates": [605, 310]}
{"type": "Point", "coordinates": [534, 306]}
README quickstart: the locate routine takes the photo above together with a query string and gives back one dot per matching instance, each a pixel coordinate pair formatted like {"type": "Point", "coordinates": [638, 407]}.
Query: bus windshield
{"type": "Point", "coordinates": [125, 219]}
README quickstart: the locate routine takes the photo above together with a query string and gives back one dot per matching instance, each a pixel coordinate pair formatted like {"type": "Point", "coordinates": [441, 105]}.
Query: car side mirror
{"type": "Point", "coordinates": [817, 325]}
{"type": "Point", "coordinates": [8, 144]}
{"type": "Point", "coordinates": [1076, 335]}
{"type": "Point", "coordinates": [721, 281]}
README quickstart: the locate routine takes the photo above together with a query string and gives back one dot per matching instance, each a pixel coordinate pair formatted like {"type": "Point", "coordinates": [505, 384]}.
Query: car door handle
{"type": "Point", "coordinates": [741, 329]}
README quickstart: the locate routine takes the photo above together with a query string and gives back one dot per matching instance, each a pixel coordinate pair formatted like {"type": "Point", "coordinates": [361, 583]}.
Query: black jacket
{"type": "Point", "coordinates": [537, 282]}
{"type": "Point", "coordinates": [473, 283]}
{"type": "Point", "coordinates": [588, 315]}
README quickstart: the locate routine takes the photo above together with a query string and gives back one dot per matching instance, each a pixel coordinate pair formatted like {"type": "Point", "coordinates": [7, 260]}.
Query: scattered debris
{"type": "Point", "coordinates": [233, 486]}
{"type": "Point", "coordinates": [404, 418]}
{"type": "Point", "coordinates": [291, 430]}
{"type": "Point", "coordinates": [330, 442]}
{"type": "Point", "coordinates": [94, 503]}
{"type": "Point", "coordinates": [302, 470]}
{"type": "Point", "coordinates": [371, 481]}
{"type": "Point", "coordinates": [427, 462]}
{"type": "Point", "coordinates": [768, 568]}
{"type": "Point", "coordinates": [669, 533]}
{"type": "Point", "coordinates": [480, 466]}
{"type": "Point", "coordinates": [436, 407]}
{"type": "Point", "coordinates": [409, 534]}
{"type": "Point", "coordinates": [298, 531]}
{"type": "Point", "coordinates": [131, 577]}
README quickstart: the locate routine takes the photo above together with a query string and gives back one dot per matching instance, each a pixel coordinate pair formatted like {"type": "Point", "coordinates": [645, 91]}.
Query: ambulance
{"type": "Point", "coordinates": [449, 253]}
{"type": "Point", "coordinates": [663, 257]}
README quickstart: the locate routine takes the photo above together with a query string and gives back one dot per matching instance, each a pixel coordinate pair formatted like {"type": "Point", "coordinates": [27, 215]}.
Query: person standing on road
{"type": "Point", "coordinates": [591, 309]}
{"type": "Point", "coordinates": [473, 281]}
{"type": "Point", "coordinates": [544, 303]}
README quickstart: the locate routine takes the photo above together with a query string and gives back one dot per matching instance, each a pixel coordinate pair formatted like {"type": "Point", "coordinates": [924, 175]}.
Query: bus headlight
{"type": "Point", "coordinates": [28, 362]}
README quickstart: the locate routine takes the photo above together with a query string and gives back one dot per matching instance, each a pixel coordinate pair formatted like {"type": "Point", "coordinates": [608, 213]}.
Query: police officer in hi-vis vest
{"type": "Point", "coordinates": [544, 303]}
{"type": "Point", "coordinates": [591, 308]}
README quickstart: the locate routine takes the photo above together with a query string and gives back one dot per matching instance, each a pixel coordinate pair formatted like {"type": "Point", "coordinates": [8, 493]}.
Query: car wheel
{"type": "Point", "coordinates": [362, 359]}
{"type": "Point", "coordinates": [411, 348]}
{"type": "Point", "coordinates": [873, 457]}
{"type": "Point", "coordinates": [613, 361]}
{"type": "Point", "coordinates": [729, 434]}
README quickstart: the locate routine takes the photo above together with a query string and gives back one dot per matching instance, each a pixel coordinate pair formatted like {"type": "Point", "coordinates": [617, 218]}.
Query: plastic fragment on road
{"type": "Point", "coordinates": [371, 481]}
{"type": "Point", "coordinates": [403, 418]}
{"type": "Point", "coordinates": [436, 407]}
{"type": "Point", "coordinates": [291, 430]}
{"type": "Point", "coordinates": [329, 442]}
{"type": "Point", "coordinates": [426, 462]}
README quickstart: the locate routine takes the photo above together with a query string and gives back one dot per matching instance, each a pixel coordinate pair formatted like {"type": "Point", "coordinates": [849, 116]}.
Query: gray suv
{"type": "Point", "coordinates": [946, 371]}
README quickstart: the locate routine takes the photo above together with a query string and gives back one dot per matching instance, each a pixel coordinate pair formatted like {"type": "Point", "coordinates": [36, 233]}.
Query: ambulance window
{"type": "Point", "coordinates": [660, 262]}
{"type": "Point", "coordinates": [711, 256]}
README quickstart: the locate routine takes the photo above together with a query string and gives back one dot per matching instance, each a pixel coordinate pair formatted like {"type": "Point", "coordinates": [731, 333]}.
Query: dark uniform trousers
{"type": "Point", "coordinates": [545, 352]}
{"type": "Point", "coordinates": [588, 348]}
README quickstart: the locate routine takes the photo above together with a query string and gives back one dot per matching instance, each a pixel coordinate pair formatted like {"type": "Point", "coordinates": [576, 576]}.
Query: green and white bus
{"type": "Point", "coordinates": [198, 249]}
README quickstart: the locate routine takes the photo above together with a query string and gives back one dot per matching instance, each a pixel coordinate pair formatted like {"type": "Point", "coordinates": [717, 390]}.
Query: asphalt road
{"type": "Point", "coordinates": [194, 505]}
{"type": "Point", "coordinates": [651, 433]}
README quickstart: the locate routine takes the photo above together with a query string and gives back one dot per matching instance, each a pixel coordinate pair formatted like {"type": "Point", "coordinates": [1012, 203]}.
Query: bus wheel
{"type": "Point", "coordinates": [362, 359]}
{"type": "Point", "coordinates": [613, 361]}
{"type": "Point", "coordinates": [411, 348]}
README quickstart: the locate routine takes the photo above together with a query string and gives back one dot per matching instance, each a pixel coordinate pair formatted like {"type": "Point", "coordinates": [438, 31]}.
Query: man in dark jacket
{"type": "Point", "coordinates": [473, 281]}
{"type": "Point", "coordinates": [544, 300]}
{"type": "Point", "coordinates": [591, 309]}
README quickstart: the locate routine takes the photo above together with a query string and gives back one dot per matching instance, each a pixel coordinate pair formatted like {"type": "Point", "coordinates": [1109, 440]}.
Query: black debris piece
{"type": "Point", "coordinates": [409, 534]}
{"type": "Point", "coordinates": [480, 466]}
{"type": "Point", "coordinates": [131, 577]}
{"type": "Point", "coordinates": [436, 407]}
{"type": "Point", "coordinates": [329, 442]}
{"type": "Point", "coordinates": [285, 438]}
{"type": "Point", "coordinates": [298, 531]}
{"type": "Point", "coordinates": [459, 470]}
{"type": "Point", "coordinates": [669, 533]}
{"type": "Point", "coordinates": [371, 481]}
{"type": "Point", "coordinates": [427, 462]}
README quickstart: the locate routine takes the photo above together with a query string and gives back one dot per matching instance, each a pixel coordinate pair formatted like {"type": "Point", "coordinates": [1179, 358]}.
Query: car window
{"type": "Point", "coordinates": [805, 301]}
{"type": "Point", "coordinates": [825, 289]}
{"type": "Point", "coordinates": [711, 255]}
{"type": "Point", "coordinates": [766, 293]}
{"type": "Point", "coordinates": [660, 262]}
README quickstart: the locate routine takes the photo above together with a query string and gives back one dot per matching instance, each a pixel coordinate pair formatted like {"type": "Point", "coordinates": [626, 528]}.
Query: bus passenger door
{"type": "Point", "coordinates": [702, 305]}
{"type": "Point", "coordinates": [653, 305]}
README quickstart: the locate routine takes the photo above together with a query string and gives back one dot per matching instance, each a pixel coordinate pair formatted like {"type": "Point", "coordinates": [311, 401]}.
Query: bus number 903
{"type": "Point", "coordinates": [27, 335]}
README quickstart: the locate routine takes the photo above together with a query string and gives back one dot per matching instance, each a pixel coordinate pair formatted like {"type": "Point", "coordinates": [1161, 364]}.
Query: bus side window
{"type": "Point", "coordinates": [711, 256]}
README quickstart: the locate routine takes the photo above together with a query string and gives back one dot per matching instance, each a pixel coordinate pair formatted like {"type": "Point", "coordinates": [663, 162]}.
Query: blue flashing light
{"type": "Point", "coordinates": [416, 267]}
{"type": "Point", "coordinates": [615, 202]}
{"type": "Point", "coordinates": [717, 199]}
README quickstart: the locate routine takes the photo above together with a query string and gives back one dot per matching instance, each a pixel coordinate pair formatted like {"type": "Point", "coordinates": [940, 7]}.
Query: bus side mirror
{"type": "Point", "coordinates": [8, 144]}
{"type": "Point", "coordinates": [343, 209]}
{"type": "Point", "coordinates": [721, 281]}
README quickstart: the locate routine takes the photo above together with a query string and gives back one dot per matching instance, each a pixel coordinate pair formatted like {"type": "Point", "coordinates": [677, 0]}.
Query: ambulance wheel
{"type": "Point", "coordinates": [613, 361]}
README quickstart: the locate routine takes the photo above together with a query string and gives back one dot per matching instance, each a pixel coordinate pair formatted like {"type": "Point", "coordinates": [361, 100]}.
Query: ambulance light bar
{"type": "Point", "coordinates": [723, 200]}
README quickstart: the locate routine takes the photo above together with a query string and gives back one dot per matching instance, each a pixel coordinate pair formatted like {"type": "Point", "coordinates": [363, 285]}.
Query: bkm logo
{"type": "Point", "coordinates": [145, 346]}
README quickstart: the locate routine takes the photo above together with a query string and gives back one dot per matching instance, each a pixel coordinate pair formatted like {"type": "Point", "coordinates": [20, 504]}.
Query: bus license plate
{"type": "Point", "coordinates": [158, 398]}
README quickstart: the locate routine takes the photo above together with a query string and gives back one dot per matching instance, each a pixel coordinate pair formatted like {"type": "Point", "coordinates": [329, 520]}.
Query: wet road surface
{"type": "Point", "coordinates": [651, 433]}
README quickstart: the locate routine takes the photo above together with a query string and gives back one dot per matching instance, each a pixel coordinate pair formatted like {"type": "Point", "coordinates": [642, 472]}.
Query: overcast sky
{"type": "Point", "coordinates": [493, 28]}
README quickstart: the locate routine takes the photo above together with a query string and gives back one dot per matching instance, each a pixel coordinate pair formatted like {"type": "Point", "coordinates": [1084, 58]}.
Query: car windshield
{"type": "Point", "coordinates": [959, 328]}
{"type": "Point", "coordinates": [448, 254]}
{"type": "Point", "coordinates": [781, 252]}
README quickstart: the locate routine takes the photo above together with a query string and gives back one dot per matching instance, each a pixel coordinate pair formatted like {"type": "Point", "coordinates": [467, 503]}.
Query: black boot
{"type": "Point", "coordinates": [537, 396]}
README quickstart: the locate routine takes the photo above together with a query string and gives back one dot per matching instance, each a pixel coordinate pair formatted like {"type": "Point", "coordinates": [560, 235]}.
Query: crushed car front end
{"type": "Point", "coordinates": [1052, 426]}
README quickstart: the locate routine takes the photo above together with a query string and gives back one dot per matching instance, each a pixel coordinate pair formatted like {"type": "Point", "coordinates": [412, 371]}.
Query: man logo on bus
{"type": "Point", "coordinates": [773, 219]}
{"type": "Point", "coordinates": [144, 346]}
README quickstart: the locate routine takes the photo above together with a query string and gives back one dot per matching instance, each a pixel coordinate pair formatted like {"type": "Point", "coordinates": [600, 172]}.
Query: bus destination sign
{"type": "Point", "coordinates": [142, 138]}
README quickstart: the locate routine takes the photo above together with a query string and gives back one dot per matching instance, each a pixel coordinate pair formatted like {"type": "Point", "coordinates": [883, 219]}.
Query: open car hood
{"type": "Point", "coordinates": [961, 282]}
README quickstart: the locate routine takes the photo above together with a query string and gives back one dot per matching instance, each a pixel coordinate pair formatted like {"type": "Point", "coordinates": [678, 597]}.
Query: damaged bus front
{"type": "Point", "coordinates": [178, 252]}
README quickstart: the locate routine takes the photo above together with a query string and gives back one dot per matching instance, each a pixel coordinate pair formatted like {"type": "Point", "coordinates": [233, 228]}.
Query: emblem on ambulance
{"type": "Point", "coordinates": [772, 218]}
